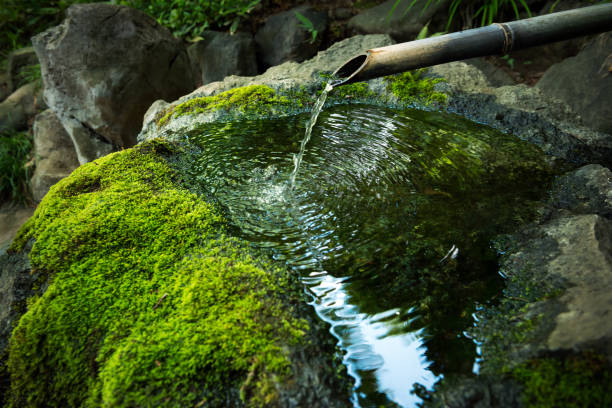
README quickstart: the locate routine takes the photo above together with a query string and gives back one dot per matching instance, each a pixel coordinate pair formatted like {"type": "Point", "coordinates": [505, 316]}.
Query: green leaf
{"type": "Point", "coordinates": [552, 8]}
{"type": "Point", "coordinates": [234, 26]}
{"type": "Point", "coordinates": [307, 25]}
{"type": "Point", "coordinates": [397, 2]}
{"type": "Point", "coordinates": [423, 33]}
{"type": "Point", "coordinates": [452, 10]}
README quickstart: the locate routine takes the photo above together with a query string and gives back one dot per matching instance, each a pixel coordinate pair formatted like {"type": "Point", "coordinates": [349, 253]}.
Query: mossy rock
{"type": "Point", "coordinates": [260, 101]}
{"type": "Point", "coordinates": [151, 303]}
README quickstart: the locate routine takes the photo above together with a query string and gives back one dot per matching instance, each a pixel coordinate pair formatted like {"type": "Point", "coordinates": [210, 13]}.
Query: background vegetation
{"type": "Point", "coordinates": [21, 19]}
{"type": "Point", "coordinates": [14, 150]}
{"type": "Point", "coordinates": [475, 12]}
{"type": "Point", "coordinates": [189, 18]}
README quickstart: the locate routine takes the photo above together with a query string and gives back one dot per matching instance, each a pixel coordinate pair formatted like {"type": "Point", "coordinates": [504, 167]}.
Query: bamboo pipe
{"type": "Point", "coordinates": [478, 42]}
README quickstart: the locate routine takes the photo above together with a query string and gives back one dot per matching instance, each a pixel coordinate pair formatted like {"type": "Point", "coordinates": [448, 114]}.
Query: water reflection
{"type": "Point", "coordinates": [384, 366]}
{"type": "Point", "coordinates": [388, 225]}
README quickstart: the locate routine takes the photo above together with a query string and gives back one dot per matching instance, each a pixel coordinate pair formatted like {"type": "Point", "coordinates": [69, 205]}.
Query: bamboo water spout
{"type": "Point", "coordinates": [478, 42]}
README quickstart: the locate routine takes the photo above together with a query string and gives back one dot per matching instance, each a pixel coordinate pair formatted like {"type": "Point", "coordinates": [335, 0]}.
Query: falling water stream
{"type": "Point", "coordinates": [388, 223]}
{"type": "Point", "coordinates": [316, 110]}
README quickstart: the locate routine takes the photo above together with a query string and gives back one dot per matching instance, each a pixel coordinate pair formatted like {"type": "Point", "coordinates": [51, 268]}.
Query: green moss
{"type": "Point", "coordinates": [575, 380]}
{"type": "Point", "coordinates": [351, 92]}
{"type": "Point", "coordinates": [259, 99]}
{"type": "Point", "coordinates": [149, 303]}
{"type": "Point", "coordinates": [411, 87]}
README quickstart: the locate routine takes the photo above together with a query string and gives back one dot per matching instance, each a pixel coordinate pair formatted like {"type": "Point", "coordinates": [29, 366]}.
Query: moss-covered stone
{"type": "Point", "coordinates": [352, 92]}
{"type": "Point", "coordinates": [257, 99]}
{"type": "Point", "coordinates": [149, 302]}
{"type": "Point", "coordinates": [261, 101]}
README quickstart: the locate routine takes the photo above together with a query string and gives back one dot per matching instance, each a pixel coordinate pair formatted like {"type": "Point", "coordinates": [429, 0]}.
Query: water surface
{"type": "Point", "coordinates": [389, 226]}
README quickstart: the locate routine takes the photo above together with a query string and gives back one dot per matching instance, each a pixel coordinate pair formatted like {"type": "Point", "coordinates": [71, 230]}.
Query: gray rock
{"type": "Point", "coordinates": [10, 268]}
{"type": "Point", "coordinates": [20, 107]}
{"type": "Point", "coordinates": [50, 136]}
{"type": "Point", "coordinates": [148, 121]}
{"type": "Point", "coordinates": [572, 253]}
{"type": "Point", "coordinates": [583, 256]}
{"type": "Point", "coordinates": [480, 392]}
{"type": "Point", "coordinates": [17, 284]}
{"type": "Point", "coordinates": [547, 122]}
{"type": "Point", "coordinates": [12, 217]}
{"type": "Point", "coordinates": [587, 190]}
{"type": "Point", "coordinates": [340, 13]}
{"type": "Point", "coordinates": [402, 23]}
{"type": "Point", "coordinates": [525, 112]}
{"type": "Point", "coordinates": [287, 76]}
{"type": "Point", "coordinates": [495, 75]}
{"type": "Point", "coordinates": [461, 77]}
{"type": "Point", "coordinates": [584, 83]}
{"type": "Point", "coordinates": [88, 144]}
{"type": "Point", "coordinates": [283, 37]}
{"type": "Point", "coordinates": [584, 261]}
{"type": "Point", "coordinates": [17, 60]}
{"type": "Point", "coordinates": [221, 54]}
{"type": "Point", "coordinates": [466, 78]}
{"type": "Point", "coordinates": [103, 67]}
{"type": "Point", "coordinates": [14, 281]}
{"type": "Point", "coordinates": [54, 154]}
